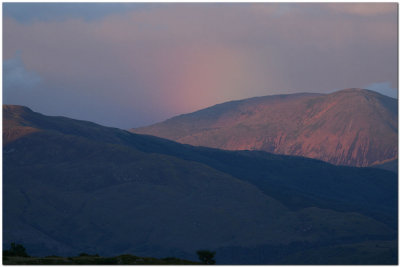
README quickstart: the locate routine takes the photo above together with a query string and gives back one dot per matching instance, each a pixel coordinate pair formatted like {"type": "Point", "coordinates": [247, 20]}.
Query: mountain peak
{"type": "Point", "coordinates": [114, 192]}
{"type": "Point", "coordinates": [15, 109]}
{"type": "Point", "coordinates": [354, 126]}
{"type": "Point", "coordinates": [354, 92]}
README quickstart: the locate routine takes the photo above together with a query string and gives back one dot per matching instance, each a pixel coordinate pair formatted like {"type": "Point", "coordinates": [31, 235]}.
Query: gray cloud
{"type": "Point", "coordinates": [16, 76]}
{"type": "Point", "coordinates": [384, 88]}
{"type": "Point", "coordinates": [29, 12]}
{"type": "Point", "coordinates": [133, 68]}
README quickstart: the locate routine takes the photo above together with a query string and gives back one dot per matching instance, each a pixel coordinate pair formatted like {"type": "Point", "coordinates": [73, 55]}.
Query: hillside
{"type": "Point", "coordinates": [72, 186]}
{"type": "Point", "coordinates": [94, 260]}
{"type": "Point", "coordinates": [352, 127]}
{"type": "Point", "coordinates": [391, 165]}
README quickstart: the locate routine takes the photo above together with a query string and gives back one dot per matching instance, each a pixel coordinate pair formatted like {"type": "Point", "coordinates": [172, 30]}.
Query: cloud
{"type": "Point", "coordinates": [16, 76]}
{"type": "Point", "coordinates": [30, 12]}
{"type": "Point", "coordinates": [384, 88]}
{"type": "Point", "coordinates": [363, 9]}
{"type": "Point", "coordinates": [178, 57]}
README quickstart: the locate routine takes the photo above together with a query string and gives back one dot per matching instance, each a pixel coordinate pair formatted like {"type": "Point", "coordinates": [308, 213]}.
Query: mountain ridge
{"type": "Point", "coordinates": [355, 127]}
{"type": "Point", "coordinates": [76, 186]}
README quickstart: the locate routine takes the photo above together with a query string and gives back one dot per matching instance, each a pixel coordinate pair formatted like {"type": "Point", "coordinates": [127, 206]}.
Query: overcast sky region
{"type": "Point", "coordinates": [132, 64]}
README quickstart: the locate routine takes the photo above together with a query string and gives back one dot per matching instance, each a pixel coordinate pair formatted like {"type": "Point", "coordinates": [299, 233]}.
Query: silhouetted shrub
{"type": "Point", "coordinates": [170, 259]}
{"type": "Point", "coordinates": [206, 256]}
{"type": "Point", "coordinates": [83, 254]}
{"type": "Point", "coordinates": [16, 250]}
{"type": "Point", "coordinates": [107, 261]}
{"type": "Point", "coordinates": [128, 259]}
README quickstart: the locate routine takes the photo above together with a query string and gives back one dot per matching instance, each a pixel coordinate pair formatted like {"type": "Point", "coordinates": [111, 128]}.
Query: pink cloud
{"type": "Point", "coordinates": [363, 9]}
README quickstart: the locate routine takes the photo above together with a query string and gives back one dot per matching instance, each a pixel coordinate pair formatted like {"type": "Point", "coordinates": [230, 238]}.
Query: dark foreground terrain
{"type": "Point", "coordinates": [71, 186]}
{"type": "Point", "coordinates": [94, 260]}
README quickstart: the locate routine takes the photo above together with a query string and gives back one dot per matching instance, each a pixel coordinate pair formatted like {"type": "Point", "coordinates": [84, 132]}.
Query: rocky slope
{"type": "Point", "coordinates": [352, 127]}
{"type": "Point", "coordinates": [72, 186]}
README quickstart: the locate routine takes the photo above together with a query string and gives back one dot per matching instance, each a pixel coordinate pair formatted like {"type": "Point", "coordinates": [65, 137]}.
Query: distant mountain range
{"type": "Point", "coordinates": [353, 127]}
{"type": "Point", "coordinates": [73, 186]}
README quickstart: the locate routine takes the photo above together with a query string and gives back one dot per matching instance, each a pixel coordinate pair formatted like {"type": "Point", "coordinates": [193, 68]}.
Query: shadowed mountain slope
{"type": "Point", "coordinates": [353, 127]}
{"type": "Point", "coordinates": [72, 186]}
{"type": "Point", "coordinates": [391, 165]}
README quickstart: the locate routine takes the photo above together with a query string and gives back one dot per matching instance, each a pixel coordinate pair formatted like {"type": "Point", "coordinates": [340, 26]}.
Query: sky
{"type": "Point", "coordinates": [128, 65]}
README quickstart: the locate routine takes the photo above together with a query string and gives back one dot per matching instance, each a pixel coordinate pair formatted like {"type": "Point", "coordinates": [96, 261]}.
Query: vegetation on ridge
{"type": "Point", "coordinates": [17, 255]}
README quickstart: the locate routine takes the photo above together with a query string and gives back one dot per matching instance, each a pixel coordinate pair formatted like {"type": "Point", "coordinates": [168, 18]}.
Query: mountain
{"type": "Point", "coordinates": [73, 186]}
{"type": "Point", "coordinates": [353, 127]}
{"type": "Point", "coordinates": [391, 165]}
